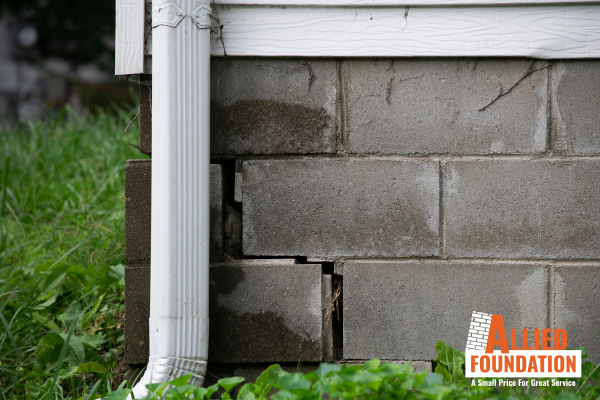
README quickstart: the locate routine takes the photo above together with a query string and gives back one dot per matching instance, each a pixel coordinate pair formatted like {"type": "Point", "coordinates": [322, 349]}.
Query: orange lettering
{"type": "Point", "coordinates": [521, 363]}
{"type": "Point", "coordinates": [559, 363]}
{"type": "Point", "coordinates": [557, 334]}
{"type": "Point", "coordinates": [473, 363]}
{"type": "Point", "coordinates": [536, 340]}
{"type": "Point", "coordinates": [542, 358]}
{"type": "Point", "coordinates": [546, 339]}
{"type": "Point", "coordinates": [485, 363]}
{"type": "Point", "coordinates": [496, 326]}
{"type": "Point", "coordinates": [525, 347]}
{"type": "Point", "coordinates": [571, 364]}
{"type": "Point", "coordinates": [532, 365]}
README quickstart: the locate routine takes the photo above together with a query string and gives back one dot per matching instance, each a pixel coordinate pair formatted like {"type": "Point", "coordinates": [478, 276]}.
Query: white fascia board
{"type": "Point", "coordinates": [549, 31]}
{"type": "Point", "coordinates": [513, 31]}
{"type": "Point", "coordinates": [409, 3]}
{"type": "Point", "coordinates": [129, 37]}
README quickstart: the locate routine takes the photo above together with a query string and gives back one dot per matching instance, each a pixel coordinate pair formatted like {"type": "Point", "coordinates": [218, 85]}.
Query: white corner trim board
{"type": "Point", "coordinates": [180, 193]}
{"type": "Point", "coordinates": [129, 37]}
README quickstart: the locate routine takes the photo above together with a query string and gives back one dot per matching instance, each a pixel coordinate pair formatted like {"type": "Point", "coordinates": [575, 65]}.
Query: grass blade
{"type": "Point", "coordinates": [5, 184]}
{"type": "Point", "coordinates": [12, 339]}
{"type": "Point", "coordinates": [92, 392]}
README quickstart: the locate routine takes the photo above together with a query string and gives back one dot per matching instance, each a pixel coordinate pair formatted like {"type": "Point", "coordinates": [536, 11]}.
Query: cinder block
{"type": "Point", "coordinates": [576, 300]}
{"type": "Point", "coordinates": [137, 312]}
{"type": "Point", "coordinates": [435, 106]}
{"type": "Point", "coordinates": [138, 195]}
{"type": "Point", "coordinates": [265, 311]}
{"type": "Point", "coordinates": [576, 86]}
{"type": "Point", "coordinates": [523, 208]}
{"type": "Point", "coordinates": [349, 207]}
{"type": "Point", "coordinates": [272, 106]}
{"type": "Point", "coordinates": [401, 309]}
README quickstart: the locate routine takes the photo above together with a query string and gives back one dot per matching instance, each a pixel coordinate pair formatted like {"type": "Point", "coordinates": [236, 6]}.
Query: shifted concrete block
{"type": "Point", "coordinates": [523, 208]}
{"type": "Point", "coordinates": [349, 207]}
{"type": "Point", "coordinates": [429, 106]}
{"type": "Point", "coordinates": [265, 311]}
{"type": "Point", "coordinates": [260, 311]}
{"type": "Point", "coordinates": [279, 106]}
{"type": "Point", "coordinates": [138, 195]}
{"type": "Point", "coordinates": [576, 92]}
{"type": "Point", "coordinates": [576, 300]}
{"type": "Point", "coordinates": [401, 309]}
{"type": "Point", "coordinates": [137, 313]}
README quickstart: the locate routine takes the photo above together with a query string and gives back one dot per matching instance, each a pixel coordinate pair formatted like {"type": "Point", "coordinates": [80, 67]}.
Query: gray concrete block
{"type": "Point", "coordinates": [265, 311]}
{"type": "Point", "coordinates": [137, 312]}
{"type": "Point", "coordinates": [349, 207]}
{"type": "Point", "coordinates": [401, 309]}
{"type": "Point", "coordinates": [138, 196]}
{"type": "Point", "coordinates": [576, 94]}
{"type": "Point", "coordinates": [429, 106]}
{"type": "Point", "coordinates": [279, 106]}
{"type": "Point", "coordinates": [576, 299]}
{"type": "Point", "coordinates": [138, 181]}
{"type": "Point", "coordinates": [523, 208]}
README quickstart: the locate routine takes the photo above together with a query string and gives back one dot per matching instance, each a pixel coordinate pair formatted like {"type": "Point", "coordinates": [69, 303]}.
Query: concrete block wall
{"type": "Point", "coordinates": [430, 187]}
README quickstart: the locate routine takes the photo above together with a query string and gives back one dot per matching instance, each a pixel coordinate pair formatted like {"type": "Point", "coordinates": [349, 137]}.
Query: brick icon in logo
{"type": "Point", "coordinates": [479, 330]}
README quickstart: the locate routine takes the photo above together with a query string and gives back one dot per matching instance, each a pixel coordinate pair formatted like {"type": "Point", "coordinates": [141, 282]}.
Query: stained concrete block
{"type": "Point", "coordinates": [401, 309]}
{"type": "Point", "coordinates": [576, 299]}
{"type": "Point", "coordinates": [260, 311]}
{"type": "Point", "coordinates": [349, 207]}
{"type": "Point", "coordinates": [138, 195]}
{"type": "Point", "coordinates": [433, 106]}
{"type": "Point", "coordinates": [523, 208]}
{"type": "Point", "coordinates": [265, 311]}
{"type": "Point", "coordinates": [137, 312]}
{"type": "Point", "coordinates": [576, 92]}
{"type": "Point", "coordinates": [279, 106]}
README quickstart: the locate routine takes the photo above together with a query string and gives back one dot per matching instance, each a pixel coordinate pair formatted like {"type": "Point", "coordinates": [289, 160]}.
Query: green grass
{"type": "Point", "coordinates": [62, 253]}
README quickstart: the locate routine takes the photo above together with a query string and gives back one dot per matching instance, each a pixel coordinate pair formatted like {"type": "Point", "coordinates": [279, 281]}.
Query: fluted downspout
{"type": "Point", "coordinates": [180, 192]}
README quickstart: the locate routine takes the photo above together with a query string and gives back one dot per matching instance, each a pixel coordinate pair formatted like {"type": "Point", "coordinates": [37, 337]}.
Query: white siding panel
{"type": "Point", "coordinates": [548, 31]}
{"type": "Point", "coordinates": [129, 37]}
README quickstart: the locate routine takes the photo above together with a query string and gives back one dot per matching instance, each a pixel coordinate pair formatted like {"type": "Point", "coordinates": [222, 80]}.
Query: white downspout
{"type": "Point", "coordinates": [180, 192]}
